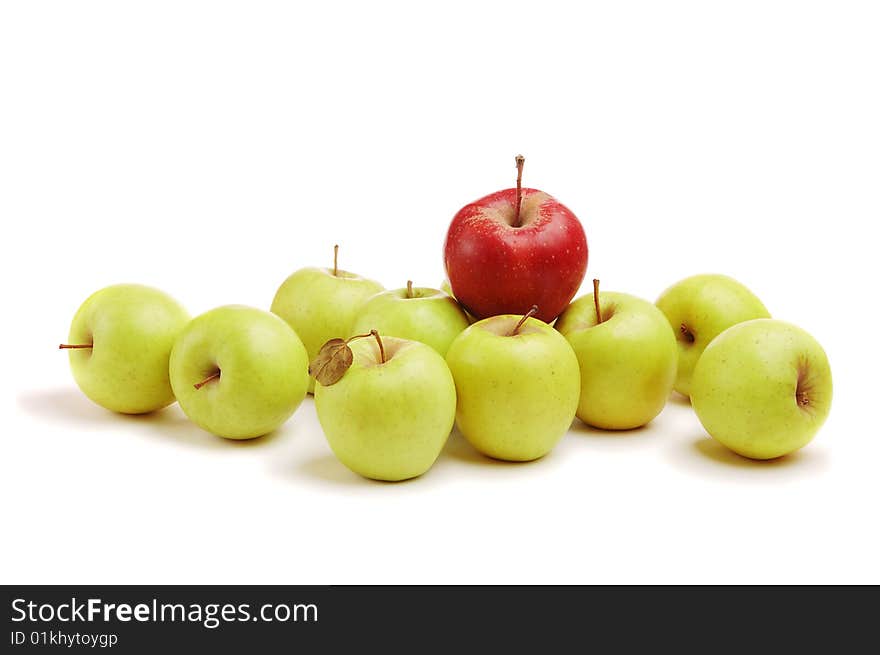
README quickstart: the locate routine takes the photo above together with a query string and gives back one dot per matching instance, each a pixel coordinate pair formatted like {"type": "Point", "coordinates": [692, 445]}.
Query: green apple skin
{"type": "Point", "coordinates": [263, 369]}
{"type": "Point", "coordinates": [627, 362]}
{"type": "Point", "coordinates": [701, 307]}
{"type": "Point", "coordinates": [389, 421]}
{"type": "Point", "coordinates": [132, 329]}
{"type": "Point", "coordinates": [430, 316]}
{"type": "Point", "coordinates": [320, 306]}
{"type": "Point", "coordinates": [762, 388]}
{"type": "Point", "coordinates": [517, 395]}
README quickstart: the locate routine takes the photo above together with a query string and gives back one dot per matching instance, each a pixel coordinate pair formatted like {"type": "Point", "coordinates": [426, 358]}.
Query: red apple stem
{"type": "Point", "coordinates": [409, 291]}
{"type": "Point", "coordinates": [520, 162]}
{"type": "Point", "coordinates": [213, 376]}
{"type": "Point", "coordinates": [596, 301]}
{"type": "Point", "coordinates": [375, 333]}
{"type": "Point", "coordinates": [335, 260]}
{"type": "Point", "coordinates": [75, 346]}
{"type": "Point", "coordinates": [532, 311]}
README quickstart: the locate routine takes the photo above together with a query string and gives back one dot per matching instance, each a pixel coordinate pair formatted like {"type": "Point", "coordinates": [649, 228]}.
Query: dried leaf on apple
{"type": "Point", "coordinates": [332, 361]}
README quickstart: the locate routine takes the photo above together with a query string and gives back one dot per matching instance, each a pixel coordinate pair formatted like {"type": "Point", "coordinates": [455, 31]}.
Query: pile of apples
{"type": "Point", "coordinates": [502, 351]}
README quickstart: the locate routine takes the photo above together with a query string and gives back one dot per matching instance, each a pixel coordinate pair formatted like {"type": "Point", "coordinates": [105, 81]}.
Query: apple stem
{"type": "Point", "coordinates": [67, 346]}
{"type": "Point", "coordinates": [687, 334]}
{"type": "Point", "coordinates": [409, 293]}
{"type": "Point", "coordinates": [371, 333]}
{"type": "Point", "coordinates": [800, 392]}
{"type": "Point", "coordinates": [375, 333]}
{"type": "Point", "coordinates": [532, 311]}
{"type": "Point", "coordinates": [213, 376]}
{"type": "Point", "coordinates": [335, 260]}
{"type": "Point", "coordinates": [520, 162]}
{"type": "Point", "coordinates": [596, 300]}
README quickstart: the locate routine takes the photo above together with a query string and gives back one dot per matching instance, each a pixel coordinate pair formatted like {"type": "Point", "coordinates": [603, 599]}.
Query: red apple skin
{"type": "Point", "coordinates": [495, 268]}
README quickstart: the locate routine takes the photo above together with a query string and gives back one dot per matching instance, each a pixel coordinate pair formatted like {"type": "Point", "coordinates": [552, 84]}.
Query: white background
{"type": "Point", "coordinates": [210, 149]}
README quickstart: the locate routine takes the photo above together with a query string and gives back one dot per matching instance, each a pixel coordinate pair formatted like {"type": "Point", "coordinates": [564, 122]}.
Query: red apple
{"type": "Point", "coordinates": [503, 261]}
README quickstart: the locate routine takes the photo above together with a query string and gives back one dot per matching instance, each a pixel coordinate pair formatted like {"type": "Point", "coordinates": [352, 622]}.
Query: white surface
{"type": "Point", "coordinates": [210, 149]}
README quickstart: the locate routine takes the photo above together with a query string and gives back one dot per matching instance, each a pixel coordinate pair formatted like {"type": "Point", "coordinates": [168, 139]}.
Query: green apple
{"type": "Point", "coordinates": [389, 420]}
{"type": "Point", "coordinates": [627, 356]}
{"type": "Point", "coordinates": [518, 386]}
{"type": "Point", "coordinates": [119, 344]}
{"type": "Point", "coordinates": [239, 372]}
{"type": "Point", "coordinates": [701, 307]}
{"type": "Point", "coordinates": [320, 304]}
{"type": "Point", "coordinates": [417, 314]}
{"type": "Point", "coordinates": [762, 388]}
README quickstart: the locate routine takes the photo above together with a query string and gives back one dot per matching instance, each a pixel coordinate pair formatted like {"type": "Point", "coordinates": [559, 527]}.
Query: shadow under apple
{"type": "Point", "coordinates": [681, 400]}
{"type": "Point", "coordinates": [69, 406]}
{"type": "Point", "coordinates": [63, 405]}
{"type": "Point", "coordinates": [717, 452]}
{"type": "Point", "coordinates": [458, 448]}
{"type": "Point", "coordinates": [172, 426]}
{"type": "Point", "coordinates": [703, 454]}
{"type": "Point", "coordinates": [328, 469]}
{"type": "Point", "coordinates": [582, 429]}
